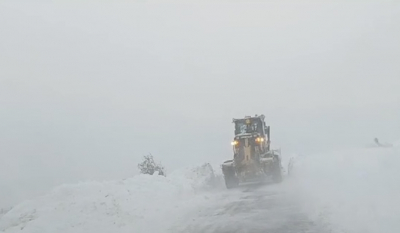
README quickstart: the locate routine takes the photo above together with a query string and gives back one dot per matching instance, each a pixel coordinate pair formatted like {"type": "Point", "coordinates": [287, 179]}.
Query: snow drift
{"type": "Point", "coordinates": [352, 191]}
{"type": "Point", "coordinates": [143, 204]}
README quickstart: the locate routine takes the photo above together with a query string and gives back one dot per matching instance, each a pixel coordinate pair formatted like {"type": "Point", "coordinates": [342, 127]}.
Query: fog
{"type": "Point", "coordinates": [87, 89]}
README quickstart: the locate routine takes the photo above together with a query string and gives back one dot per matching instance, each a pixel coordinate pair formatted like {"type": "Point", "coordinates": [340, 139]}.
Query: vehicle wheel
{"type": "Point", "coordinates": [277, 174]}
{"type": "Point", "coordinates": [231, 181]}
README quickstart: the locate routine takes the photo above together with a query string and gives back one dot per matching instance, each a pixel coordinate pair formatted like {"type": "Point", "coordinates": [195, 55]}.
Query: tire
{"type": "Point", "coordinates": [277, 178]}
{"type": "Point", "coordinates": [277, 174]}
{"type": "Point", "coordinates": [231, 182]}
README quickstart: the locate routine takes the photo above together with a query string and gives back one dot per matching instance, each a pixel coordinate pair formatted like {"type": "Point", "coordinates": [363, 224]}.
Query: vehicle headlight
{"type": "Point", "coordinates": [259, 139]}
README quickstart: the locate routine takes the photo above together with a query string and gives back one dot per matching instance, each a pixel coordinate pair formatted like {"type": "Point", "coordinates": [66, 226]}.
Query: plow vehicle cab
{"type": "Point", "coordinates": [252, 157]}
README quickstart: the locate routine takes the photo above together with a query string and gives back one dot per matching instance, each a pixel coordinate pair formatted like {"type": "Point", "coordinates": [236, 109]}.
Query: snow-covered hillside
{"type": "Point", "coordinates": [141, 204]}
{"type": "Point", "coordinates": [353, 191]}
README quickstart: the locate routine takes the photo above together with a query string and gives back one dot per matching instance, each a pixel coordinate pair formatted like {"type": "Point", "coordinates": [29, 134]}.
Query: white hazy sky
{"type": "Point", "coordinates": [87, 88]}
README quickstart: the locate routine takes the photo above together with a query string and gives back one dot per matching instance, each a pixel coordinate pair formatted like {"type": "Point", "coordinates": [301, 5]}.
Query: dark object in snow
{"type": "Point", "coordinates": [377, 142]}
{"type": "Point", "coordinates": [380, 144]}
{"type": "Point", "coordinates": [149, 166]}
{"type": "Point", "coordinates": [253, 159]}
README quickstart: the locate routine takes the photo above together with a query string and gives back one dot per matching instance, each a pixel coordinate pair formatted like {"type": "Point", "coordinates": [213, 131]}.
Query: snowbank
{"type": "Point", "coordinates": [140, 204]}
{"type": "Point", "coordinates": [3, 211]}
{"type": "Point", "coordinates": [353, 191]}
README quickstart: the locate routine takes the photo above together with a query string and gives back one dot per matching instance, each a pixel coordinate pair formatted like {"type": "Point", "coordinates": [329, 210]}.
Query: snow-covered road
{"type": "Point", "coordinates": [253, 208]}
{"type": "Point", "coordinates": [349, 191]}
